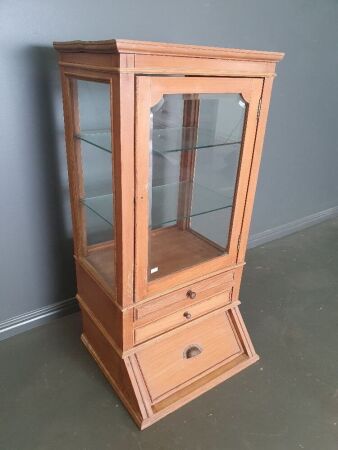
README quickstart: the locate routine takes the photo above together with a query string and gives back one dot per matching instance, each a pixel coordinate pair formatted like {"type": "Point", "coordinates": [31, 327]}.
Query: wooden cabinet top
{"type": "Point", "coordinates": [116, 46]}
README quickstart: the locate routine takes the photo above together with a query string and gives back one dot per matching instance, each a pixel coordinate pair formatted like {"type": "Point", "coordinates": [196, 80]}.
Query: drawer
{"type": "Point", "coordinates": [179, 358]}
{"type": "Point", "coordinates": [181, 317]}
{"type": "Point", "coordinates": [185, 297]}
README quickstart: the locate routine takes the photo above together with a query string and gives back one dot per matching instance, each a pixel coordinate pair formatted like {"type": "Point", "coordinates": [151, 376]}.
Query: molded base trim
{"type": "Point", "coordinates": [40, 316]}
{"type": "Point", "coordinates": [292, 227]}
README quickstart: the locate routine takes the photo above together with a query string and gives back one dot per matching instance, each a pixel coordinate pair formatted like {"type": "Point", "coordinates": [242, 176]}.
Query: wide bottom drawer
{"type": "Point", "coordinates": [177, 359]}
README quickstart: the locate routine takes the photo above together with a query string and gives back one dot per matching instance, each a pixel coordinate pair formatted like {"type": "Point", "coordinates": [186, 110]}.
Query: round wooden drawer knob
{"type": "Point", "coordinates": [191, 294]}
{"type": "Point", "coordinates": [187, 315]}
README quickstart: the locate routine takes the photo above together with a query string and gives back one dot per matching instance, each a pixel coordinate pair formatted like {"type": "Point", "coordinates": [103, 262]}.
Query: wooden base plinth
{"type": "Point", "coordinates": [135, 385]}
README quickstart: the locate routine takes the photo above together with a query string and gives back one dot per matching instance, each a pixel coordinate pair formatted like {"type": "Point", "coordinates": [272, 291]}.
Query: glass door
{"type": "Point", "coordinates": [194, 142]}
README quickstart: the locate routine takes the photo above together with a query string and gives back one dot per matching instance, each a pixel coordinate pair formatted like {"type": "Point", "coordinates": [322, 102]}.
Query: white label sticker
{"type": "Point", "coordinates": [154, 270]}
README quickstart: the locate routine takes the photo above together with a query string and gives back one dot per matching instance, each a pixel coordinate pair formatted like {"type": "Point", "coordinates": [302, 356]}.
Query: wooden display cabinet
{"type": "Point", "coordinates": [163, 144]}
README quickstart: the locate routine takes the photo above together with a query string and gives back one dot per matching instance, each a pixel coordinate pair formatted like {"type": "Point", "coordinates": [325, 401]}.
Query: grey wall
{"type": "Point", "coordinates": [300, 166]}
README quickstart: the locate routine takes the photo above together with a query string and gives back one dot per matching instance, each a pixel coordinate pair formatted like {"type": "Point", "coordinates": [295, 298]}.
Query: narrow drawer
{"type": "Point", "coordinates": [192, 351]}
{"type": "Point", "coordinates": [142, 333]}
{"type": "Point", "coordinates": [186, 296]}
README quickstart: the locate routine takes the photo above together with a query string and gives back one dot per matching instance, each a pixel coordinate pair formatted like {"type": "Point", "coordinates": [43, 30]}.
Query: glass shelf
{"type": "Point", "coordinates": [178, 139]}
{"type": "Point", "coordinates": [99, 138]}
{"type": "Point", "coordinates": [204, 200]}
{"type": "Point", "coordinates": [164, 140]}
{"type": "Point", "coordinates": [102, 205]}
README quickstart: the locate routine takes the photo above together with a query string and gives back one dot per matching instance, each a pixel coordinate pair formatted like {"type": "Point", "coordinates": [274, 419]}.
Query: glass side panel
{"type": "Point", "coordinates": [195, 146]}
{"type": "Point", "coordinates": [97, 196]}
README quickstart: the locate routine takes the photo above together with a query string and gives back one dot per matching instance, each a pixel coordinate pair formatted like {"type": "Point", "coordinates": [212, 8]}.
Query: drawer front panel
{"type": "Point", "coordinates": [171, 362]}
{"type": "Point", "coordinates": [184, 297]}
{"type": "Point", "coordinates": [181, 317]}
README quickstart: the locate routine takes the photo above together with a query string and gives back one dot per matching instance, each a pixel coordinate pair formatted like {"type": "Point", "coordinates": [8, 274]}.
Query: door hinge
{"type": "Point", "coordinates": [239, 243]}
{"type": "Point", "coordinates": [259, 108]}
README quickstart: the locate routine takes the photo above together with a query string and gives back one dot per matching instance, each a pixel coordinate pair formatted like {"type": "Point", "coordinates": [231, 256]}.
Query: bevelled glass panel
{"type": "Point", "coordinates": [195, 147]}
{"type": "Point", "coordinates": [93, 134]}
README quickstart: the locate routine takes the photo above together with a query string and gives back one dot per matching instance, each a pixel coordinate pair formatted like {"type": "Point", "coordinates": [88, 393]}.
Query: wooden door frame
{"type": "Point", "coordinates": [149, 90]}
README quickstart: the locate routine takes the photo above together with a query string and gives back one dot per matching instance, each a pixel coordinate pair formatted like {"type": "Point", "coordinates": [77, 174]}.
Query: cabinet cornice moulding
{"type": "Point", "coordinates": [116, 46]}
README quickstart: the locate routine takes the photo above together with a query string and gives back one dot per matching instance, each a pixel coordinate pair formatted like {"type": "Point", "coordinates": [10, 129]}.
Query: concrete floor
{"type": "Point", "coordinates": [53, 396]}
